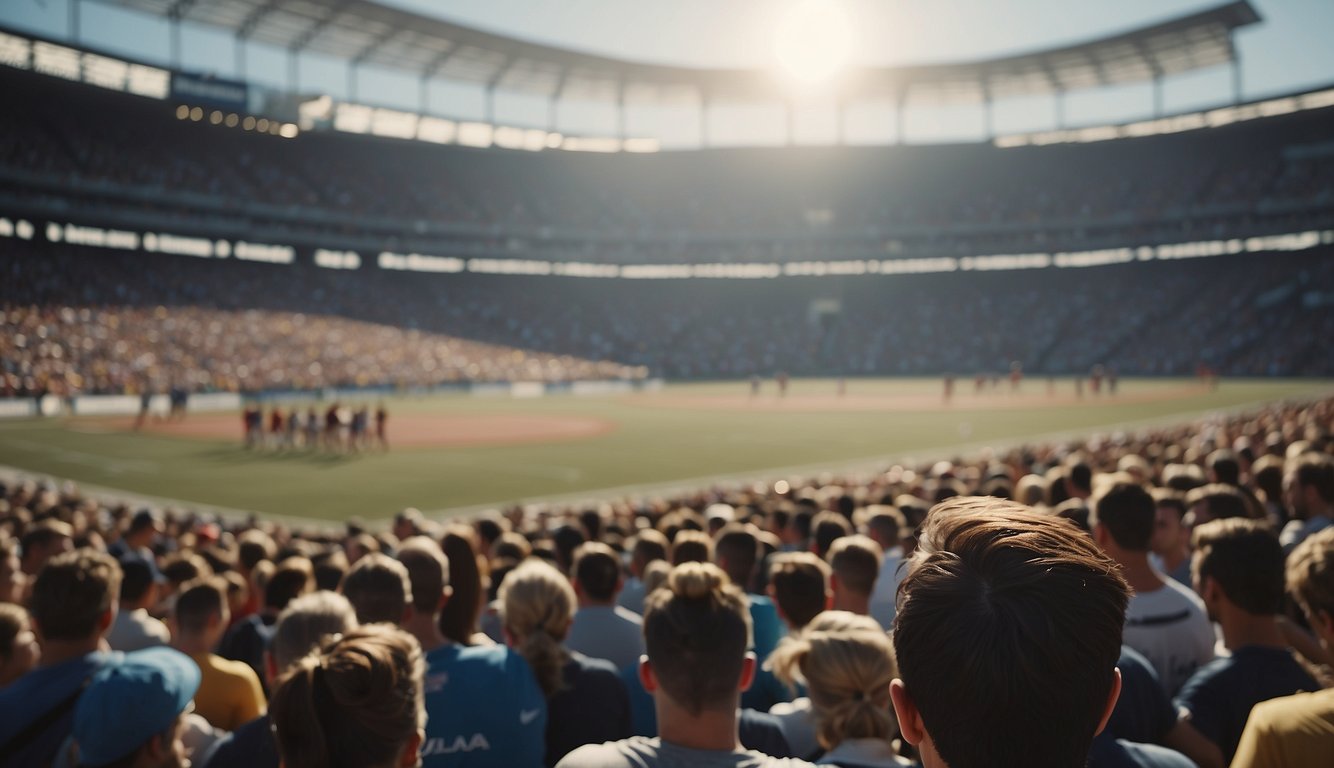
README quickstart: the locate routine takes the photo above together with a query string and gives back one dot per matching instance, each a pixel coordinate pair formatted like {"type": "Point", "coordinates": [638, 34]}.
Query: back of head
{"type": "Point", "coordinates": [696, 632]}
{"type": "Point", "coordinates": [378, 588]}
{"type": "Point", "coordinates": [72, 593]}
{"type": "Point", "coordinates": [1220, 502]}
{"type": "Point", "coordinates": [537, 606]}
{"type": "Point", "coordinates": [1314, 470]}
{"type": "Point", "coordinates": [1243, 557]}
{"type": "Point", "coordinates": [736, 550]}
{"type": "Point", "coordinates": [254, 546]}
{"type": "Point", "coordinates": [886, 524]}
{"type": "Point", "coordinates": [597, 571]}
{"type": "Point", "coordinates": [827, 528]}
{"type": "Point", "coordinates": [306, 622]}
{"type": "Point", "coordinates": [800, 582]}
{"type": "Point", "coordinates": [292, 578]}
{"type": "Point", "coordinates": [1310, 574]}
{"type": "Point", "coordinates": [428, 573]}
{"type": "Point", "coordinates": [1008, 632]}
{"type": "Point", "coordinates": [847, 664]}
{"type": "Point", "coordinates": [1225, 467]}
{"type": "Point", "coordinates": [355, 703]}
{"type": "Point", "coordinates": [691, 547]}
{"type": "Point", "coordinates": [137, 578]}
{"type": "Point", "coordinates": [199, 603]}
{"type": "Point", "coordinates": [855, 560]}
{"type": "Point", "coordinates": [1128, 514]}
{"type": "Point", "coordinates": [458, 620]}
{"type": "Point", "coordinates": [649, 545]}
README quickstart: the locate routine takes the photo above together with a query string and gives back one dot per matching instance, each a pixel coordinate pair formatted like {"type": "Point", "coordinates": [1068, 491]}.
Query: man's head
{"type": "Point", "coordinates": [1008, 632]}
{"type": "Point", "coordinates": [1169, 532]}
{"type": "Point", "coordinates": [855, 562]}
{"type": "Point", "coordinates": [825, 529]}
{"type": "Point", "coordinates": [691, 547]}
{"type": "Point", "coordinates": [131, 712]}
{"type": "Point", "coordinates": [1123, 519]}
{"type": "Point", "coordinates": [1309, 485]}
{"type": "Point", "coordinates": [696, 632]}
{"type": "Point", "coordinates": [201, 612]}
{"type": "Point", "coordinates": [74, 597]}
{"type": "Point", "coordinates": [43, 541]}
{"type": "Point", "coordinates": [1224, 467]}
{"type": "Point", "coordinates": [428, 574]}
{"type": "Point", "coordinates": [736, 550]}
{"type": "Point", "coordinates": [379, 588]}
{"type": "Point", "coordinates": [885, 525]}
{"type": "Point", "coordinates": [649, 545]}
{"type": "Point", "coordinates": [596, 573]}
{"type": "Point", "coordinates": [1238, 564]}
{"type": "Point", "coordinates": [1216, 501]}
{"type": "Point", "coordinates": [799, 586]}
{"type": "Point", "coordinates": [303, 625]}
{"type": "Point", "coordinates": [292, 578]}
{"type": "Point", "coordinates": [1310, 579]}
{"type": "Point", "coordinates": [144, 527]}
{"type": "Point", "coordinates": [139, 582]}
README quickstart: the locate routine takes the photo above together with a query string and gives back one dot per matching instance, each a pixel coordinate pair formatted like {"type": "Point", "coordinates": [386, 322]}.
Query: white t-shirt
{"type": "Point", "coordinates": [1170, 628]}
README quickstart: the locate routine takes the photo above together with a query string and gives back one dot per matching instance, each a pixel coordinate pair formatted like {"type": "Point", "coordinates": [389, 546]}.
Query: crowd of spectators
{"type": "Point", "coordinates": [79, 321]}
{"type": "Point", "coordinates": [1196, 559]}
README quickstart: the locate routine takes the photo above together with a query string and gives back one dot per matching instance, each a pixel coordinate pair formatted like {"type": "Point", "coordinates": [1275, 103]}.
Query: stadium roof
{"type": "Point", "coordinates": [364, 32]}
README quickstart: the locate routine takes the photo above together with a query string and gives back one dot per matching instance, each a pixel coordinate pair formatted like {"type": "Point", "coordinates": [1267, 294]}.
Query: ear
{"type": "Point", "coordinates": [748, 666]}
{"type": "Point", "coordinates": [647, 677]}
{"type": "Point", "coordinates": [412, 750]}
{"type": "Point", "coordinates": [578, 588]}
{"type": "Point", "coordinates": [910, 719]}
{"type": "Point", "coordinates": [1111, 701]}
{"type": "Point", "coordinates": [105, 621]}
{"type": "Point", "coordinates": [445, 594]}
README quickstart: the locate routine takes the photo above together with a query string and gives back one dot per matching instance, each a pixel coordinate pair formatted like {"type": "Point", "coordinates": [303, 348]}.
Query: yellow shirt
{"type": "Point", "coordinates": [229, 692]}
{"type": "Point", "coordinates": [1289, 732]}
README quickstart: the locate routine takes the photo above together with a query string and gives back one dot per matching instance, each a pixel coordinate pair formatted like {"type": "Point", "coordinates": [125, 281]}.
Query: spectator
{"type": "Point", "coordinates": [18, 645]}
{"type": "Point", "coordinates": [1171, 538]}
{"type": "Point", "coordinates": [649, 546]}
{"type": "Point", "coordinates": [1165, 621]}
{"type": "Point", "coordinates": [855, 563]}
{"type": "Point", "coordinates": [301, 628]}
{"type": "Point", "coordinates": [1008, 632]}
{"type": "Point", "coordinates": [1309, 485]}
{"type": "Point", "coordinates": [1298, 731]}
{"type": "Point", "coordinates": [1144, 717]}
{"type": "Point", "coordinates": [229, 691]}
{"type": "Point", "coordinates": [143, 530]}
{"type": "Point", "coordinates": [379, 589]}
{"type": "Point", "coordinates": [602, 629]}
{"type": "Point", "coordinates": [1238, 570]}
{"type": "Point", "coordinates": [73, 605]}
{"type": "Point", "coordinates": [826, 528]}
{"type": "Point", "coordinates": [13, 581]}
{"type": "Point", "coordinates": [247, 639]}
{"type": "Point", "coordinates": [884, 526]}
{"type": "Point", "coordinates": [134, 629]}
{"type": "Point", "coordinates": [43, 541]}
{"type": "Point", "coordinates": [799, 586]}
{"type": "Point", "coordinates": [133, 711]}
{"type": "Point", "coordinates": [691, 546]}
{"type": "Point", "coordinates": [356, 703]}
{"type": "Point", "coordinates": [846, 663]}
{"type": "Point", "coordinates": [696, 631]}
{"type": "Point", "coordinates": [460, 616]}
{"type": "Point", "coordinates": [586, 701]}
{"type": "Point", "coordinates": [737, 551]}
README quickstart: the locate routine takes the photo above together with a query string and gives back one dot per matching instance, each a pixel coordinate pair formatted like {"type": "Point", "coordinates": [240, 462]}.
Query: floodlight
{"type": "Point", "coordinates": [814, 41]}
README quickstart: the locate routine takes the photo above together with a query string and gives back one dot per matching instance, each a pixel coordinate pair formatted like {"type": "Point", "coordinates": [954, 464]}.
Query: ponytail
{"type": "Point", "coordinates": [295, 718]}
{"type": "Point", "coordinates": [537, 607]}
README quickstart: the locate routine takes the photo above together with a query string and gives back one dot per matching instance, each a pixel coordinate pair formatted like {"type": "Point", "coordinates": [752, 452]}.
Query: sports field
{"type": "Point", "coordinates": [459, 453]}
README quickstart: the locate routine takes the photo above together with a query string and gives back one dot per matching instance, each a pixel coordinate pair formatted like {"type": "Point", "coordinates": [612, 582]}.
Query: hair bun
{"type": "Point", "coordinates": [695, 581]}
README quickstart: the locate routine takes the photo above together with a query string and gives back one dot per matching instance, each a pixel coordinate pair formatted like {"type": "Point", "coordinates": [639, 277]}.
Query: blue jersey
{"type": "Point", "coordinates": [483, 708]}
{"type": "Point", "coordinates": [32, 697]}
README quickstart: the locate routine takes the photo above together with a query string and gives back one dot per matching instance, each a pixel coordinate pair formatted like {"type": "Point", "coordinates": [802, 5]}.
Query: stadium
{"type": "Point", "coordinates": [620, 383]}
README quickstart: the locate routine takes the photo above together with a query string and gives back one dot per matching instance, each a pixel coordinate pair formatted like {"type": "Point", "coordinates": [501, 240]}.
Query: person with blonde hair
{"type": "Point", "coordinates": [586, 701]}
{"type": "Point", "coordinates": [355, 703]}
{"type": "Point", "coordinates": [696, 632]}
{"type": "Point", "coordinates": [846, 663]}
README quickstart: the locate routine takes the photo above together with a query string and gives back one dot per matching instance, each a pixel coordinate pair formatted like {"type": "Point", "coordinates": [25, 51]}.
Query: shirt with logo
{"type": "Point", "coordinates": [483, 708]}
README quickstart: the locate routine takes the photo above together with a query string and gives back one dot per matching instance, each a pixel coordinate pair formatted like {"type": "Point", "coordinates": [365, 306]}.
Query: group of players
{"type": "Point", "coordinates": [340, 429]}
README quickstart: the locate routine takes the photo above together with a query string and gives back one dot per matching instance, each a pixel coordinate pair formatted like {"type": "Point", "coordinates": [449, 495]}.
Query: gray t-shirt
{"type": "Point", "coordinates": [642, 752]}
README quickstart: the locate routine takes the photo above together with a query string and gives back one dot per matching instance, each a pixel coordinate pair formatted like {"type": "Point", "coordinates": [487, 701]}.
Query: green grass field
{"type": "Point", "coordinates": [684, 436]}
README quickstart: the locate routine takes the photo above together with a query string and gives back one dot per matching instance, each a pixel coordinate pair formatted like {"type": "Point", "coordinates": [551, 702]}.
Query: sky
{"type": "Point", "coordinates": [1288, 51]}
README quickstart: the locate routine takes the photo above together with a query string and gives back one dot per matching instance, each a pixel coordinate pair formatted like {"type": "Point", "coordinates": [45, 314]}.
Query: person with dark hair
{"type": "Point", "coordinates": [72, 606]}
{"type": "Point", "coordinates": [1170, 544]}
{"type": "Point", "coordinates": [484, 704]}
{"type": "Point", "coordinates": [328, 569]}
{"type": "Point", "coordinates": [567, 539]}
{"type": "Point", "coordinates": [1007, 637]}
{"type": "Point", "coordinates": [1218, 501]}
{"type": "Point", "coordinates": [302, 626]}
{"type": "Point", "coordinates": [1298, 731]}
{"type": "Point", "coordinates": [885, 525]}
{"type": "Point", "coordinates": [855, 564]}
{"type": "Point", "coordinates": [696, 631]}
{"type": "Point", "coordinates": [43, 541]}
{"type": "Point", "coordinates": [1309, 486]}
{"type": "Point", "coordinates": [1238, 570]}
{"type": "Point", "coordinates": [649, 546]}
{"type": "Point", "coordinates": [825, 529]}
{"type": "Point", "coordinates": [18, 644]}
{"type": "Point", "coordinates": [799, 586]}
{"type": "Point", "coordinates": [138, 537]}
{"type": "Point", "coordinates": [736, 550]}
{"type": "Point", "coordinates": [379, 589]}
{"type": "Point", "coordinates": [1079, 481]}
{"type": "Point", "coordinates": [134, 629]}
{"type": "Point", "coordinates": [1165, 621]}
{"type": "Point", "coordinates": [229, 691]}
{"type": "Point", "coordinates": [586, 701]}
{"type": "Point", "coordinates": [247, 639]}
{"type": "Point", "coordinates": [356, 703]}
{"type": "Point", "coordinates": [1224, 467]}
{"type": "Point", "coordinates": [459, 618]}
{"type": "Point", "coordinates": [132, 714]}
{"type": "Point", "coordinates": [602, 629]}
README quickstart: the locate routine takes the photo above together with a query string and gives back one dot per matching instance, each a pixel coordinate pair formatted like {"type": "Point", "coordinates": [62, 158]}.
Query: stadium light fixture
{"type": "Point", "coordinates": [814, 41]}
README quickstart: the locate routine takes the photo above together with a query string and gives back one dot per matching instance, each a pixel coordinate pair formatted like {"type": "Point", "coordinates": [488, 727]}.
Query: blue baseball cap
{"type": "Point", "coordinates": [130, 701]}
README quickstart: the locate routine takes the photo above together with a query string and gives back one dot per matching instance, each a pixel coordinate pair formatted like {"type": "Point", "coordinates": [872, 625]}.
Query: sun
{"type": "Point", "coordinates": [814, 41]}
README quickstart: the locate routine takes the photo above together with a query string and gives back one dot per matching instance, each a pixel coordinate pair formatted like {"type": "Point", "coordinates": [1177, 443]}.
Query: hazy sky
{"type": "Point", "coordinates": [1289, 50]}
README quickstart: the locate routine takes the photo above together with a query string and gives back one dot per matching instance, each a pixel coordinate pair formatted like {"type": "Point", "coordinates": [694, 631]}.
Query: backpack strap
{"type": "Point", "coordinates": [44, 721]}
